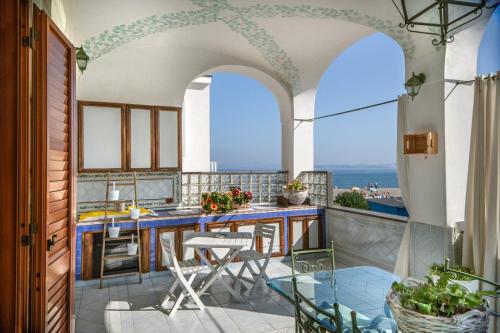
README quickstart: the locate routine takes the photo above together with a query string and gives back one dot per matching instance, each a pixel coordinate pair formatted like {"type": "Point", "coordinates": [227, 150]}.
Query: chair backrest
{"type": "Point", "coordinates": [264, 230]}
{"type": "Point", "coordinates": [311, 318]}
{"type": "Point", "coordinates": [306, 261]}
{"type": "Point", "coordinates": [168, 251]}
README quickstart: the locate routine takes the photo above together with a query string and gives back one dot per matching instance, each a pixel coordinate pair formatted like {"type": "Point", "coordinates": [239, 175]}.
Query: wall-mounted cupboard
{"type": "Point", "coordinates": [125, 137]}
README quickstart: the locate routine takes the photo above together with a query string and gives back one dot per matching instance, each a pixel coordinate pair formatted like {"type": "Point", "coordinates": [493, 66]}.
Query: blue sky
{"type": "Point", "coordinates": [245, 124]}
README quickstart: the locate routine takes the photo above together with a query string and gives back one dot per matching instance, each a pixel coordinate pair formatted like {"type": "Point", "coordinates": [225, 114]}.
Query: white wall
{"type": "Point", "coordinates": [460, 64]}
{"type": "Point", "coordinates": [196, 126]}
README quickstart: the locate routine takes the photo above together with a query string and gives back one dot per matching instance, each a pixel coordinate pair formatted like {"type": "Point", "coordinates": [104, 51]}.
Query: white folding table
{"type": "Point", "coordinates": [234, 242]}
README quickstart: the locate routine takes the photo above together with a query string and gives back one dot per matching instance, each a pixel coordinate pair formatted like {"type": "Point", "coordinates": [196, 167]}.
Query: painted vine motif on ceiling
{"type": "Point", "coordinates": [238, 19]}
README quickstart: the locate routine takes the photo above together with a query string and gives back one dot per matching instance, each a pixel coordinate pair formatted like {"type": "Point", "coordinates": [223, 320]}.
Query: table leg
{"type": "Point", "coordinates": [221, 261]}
{"type": "Point", "coordinates": [217, 271]}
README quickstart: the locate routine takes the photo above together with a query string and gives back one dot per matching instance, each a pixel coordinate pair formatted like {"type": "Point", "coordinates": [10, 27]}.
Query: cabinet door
{"type": "Point", "coordinates": [141, 138]}
{"type": "Point", "coordinates": [102, 136]}
{"type": "Point", "coordinates": [164, 233]}
{"type": "Point", "coordinates": [246, 226]}
{"type": "Point", "coordinates": [277, 249]}
{"type": "Point", "coordinates": [296, 233]}
{"type": "Point", "coordinates": [312, 233]}
{"type": "Point", "coordinates": [168, 144]}
{"type": "Point", "coordinates": [304, 232]}
{"type": "Point", "coordinates": [187, 252]}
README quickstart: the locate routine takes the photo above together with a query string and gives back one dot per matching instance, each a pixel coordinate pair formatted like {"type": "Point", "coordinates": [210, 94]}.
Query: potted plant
{"type": "Point", "coordinates": [216, 202]}
{"type": "Point", "coordinates": [438, 306]}
{"type": "Point", "coordinates": [295, 192]}
{"type": "Point", "coordinates": [240, 198]}
{"type": "Point", "coordinates": [471, 284]}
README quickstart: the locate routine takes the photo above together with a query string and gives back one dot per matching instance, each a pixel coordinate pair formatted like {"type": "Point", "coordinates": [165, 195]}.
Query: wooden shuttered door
{"type": "Point", "coordinates": [54, 190]}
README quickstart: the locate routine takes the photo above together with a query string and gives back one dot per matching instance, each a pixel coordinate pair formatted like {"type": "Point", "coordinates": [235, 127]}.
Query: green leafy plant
{"type": "Point", "coordinates": [438, 269]}
{"type": "Point", "coordinates": [296, 186]}
{"type": "Point", "coordinates": [440, 298]}
{"type": "Point", "coordinates": [216, 202]}
{"type": "Point", "coordinates": [352, 200]}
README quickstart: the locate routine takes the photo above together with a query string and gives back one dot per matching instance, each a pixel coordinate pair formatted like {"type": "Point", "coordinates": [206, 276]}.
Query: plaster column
{"type": "Point", "coordinates": [298, 137]}
{"type": "Point", "coordinates": [196, 126]}
{"type": "Point", "coordinates": [438, 182]}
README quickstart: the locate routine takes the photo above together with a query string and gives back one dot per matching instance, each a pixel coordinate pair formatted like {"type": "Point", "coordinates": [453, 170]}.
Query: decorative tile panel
{"type": "Point", "coordinates": [264, 185]}
{"type": "Point", "coordinates": [153, 188]}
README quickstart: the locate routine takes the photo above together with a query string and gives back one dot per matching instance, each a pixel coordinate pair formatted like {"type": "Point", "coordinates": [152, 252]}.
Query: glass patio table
{"type": "Point", "coordinates": [362, 289]}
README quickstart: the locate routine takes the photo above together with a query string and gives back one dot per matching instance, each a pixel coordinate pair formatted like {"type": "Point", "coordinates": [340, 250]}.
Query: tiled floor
{"type": "Point", "coordinates": [125, 306]}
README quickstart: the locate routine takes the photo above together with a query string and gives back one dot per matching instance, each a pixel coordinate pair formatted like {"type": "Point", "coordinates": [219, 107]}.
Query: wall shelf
{"type": "Point", "coordinates": [421, 143]}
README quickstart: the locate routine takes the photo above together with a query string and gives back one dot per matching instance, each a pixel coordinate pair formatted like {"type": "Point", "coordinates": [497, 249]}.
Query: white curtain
{"type": "Point", "coordinates": [402, 267]}
{"type": "Point", "coordinates": [482, 207]}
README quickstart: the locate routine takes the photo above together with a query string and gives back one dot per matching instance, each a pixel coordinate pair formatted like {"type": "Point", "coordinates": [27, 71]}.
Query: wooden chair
{"type": "Point", "coordinates": [264, 231]}
{"type": "Point", "coordinates": [180, 269]}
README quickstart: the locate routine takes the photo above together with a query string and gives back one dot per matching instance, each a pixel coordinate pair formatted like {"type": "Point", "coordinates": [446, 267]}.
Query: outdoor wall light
{"type": "Point", "coordinates": [440, 17]}
{"type": "Point", "coordinates": [81, 59]}
{"type": "Point", "coordinates": [414, 83]}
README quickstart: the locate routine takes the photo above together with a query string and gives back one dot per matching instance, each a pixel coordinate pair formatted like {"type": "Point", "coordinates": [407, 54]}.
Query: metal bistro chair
{"type": "Point", "coordinates": [180, 269]}
{"type": "Point", "coordinates": [312, 318]}
{"type": "Point", "coordinates": [263, 231]}
{"type": "Point", "coordinates": [308, 316]}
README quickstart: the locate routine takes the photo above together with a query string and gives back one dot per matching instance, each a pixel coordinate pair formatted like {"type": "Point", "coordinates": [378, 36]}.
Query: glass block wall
{"type": "Point", "coordinates": [264, 185]}
{"type": "Point", "coordinates": [318, 184]}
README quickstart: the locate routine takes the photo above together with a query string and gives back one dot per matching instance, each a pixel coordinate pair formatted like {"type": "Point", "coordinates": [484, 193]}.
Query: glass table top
{"type": "Point", "coordinates": [362, 289]}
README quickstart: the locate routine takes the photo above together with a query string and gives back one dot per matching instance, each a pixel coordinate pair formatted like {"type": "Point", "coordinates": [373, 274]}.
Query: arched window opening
{"type": "Point", "coordinates": [360, 147]}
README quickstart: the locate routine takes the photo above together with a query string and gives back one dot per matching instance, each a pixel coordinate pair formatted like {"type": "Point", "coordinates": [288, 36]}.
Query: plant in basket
{"type": "Point", "coordinates": [296, 192]}
{"type": "Point", "coordinates": [240, 198]}
{"type": "Point", "coordinates": [216, 202]}
{"type": "Point", "coordinates": [438, 305]}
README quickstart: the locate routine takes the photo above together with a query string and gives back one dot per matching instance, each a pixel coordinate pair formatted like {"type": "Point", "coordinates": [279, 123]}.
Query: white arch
{"type": "Point", "coordinates": [196, 142]}
{"type": "Point", "coordinates": [280, 91]}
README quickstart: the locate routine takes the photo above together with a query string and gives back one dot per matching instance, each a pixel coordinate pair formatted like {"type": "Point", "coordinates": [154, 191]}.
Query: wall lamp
{"type": "Point", "coordinates": [414, 83]}
{"type": "Point", "coordinates": [82, 59]}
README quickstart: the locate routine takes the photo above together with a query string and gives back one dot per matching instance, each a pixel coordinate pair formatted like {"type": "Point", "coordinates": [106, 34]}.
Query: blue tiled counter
{"type": "Point", "coordinates": [195, 217]}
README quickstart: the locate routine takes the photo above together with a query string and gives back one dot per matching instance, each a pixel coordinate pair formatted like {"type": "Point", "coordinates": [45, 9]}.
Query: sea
{"type": "Point", "coordinates": [346, 177]}
{"type": "Point", "coordinates": [363, 177]}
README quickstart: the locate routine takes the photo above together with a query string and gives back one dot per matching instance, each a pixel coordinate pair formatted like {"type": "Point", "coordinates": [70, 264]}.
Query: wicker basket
{"type": "Point", "coordinates": [473, 321]}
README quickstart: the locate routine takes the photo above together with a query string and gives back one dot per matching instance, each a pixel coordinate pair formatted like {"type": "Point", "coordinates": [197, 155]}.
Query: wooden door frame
{"type": "Point", "coordinates": [41, 179]}
{"type": "Point", "coordinates": [14, 169]}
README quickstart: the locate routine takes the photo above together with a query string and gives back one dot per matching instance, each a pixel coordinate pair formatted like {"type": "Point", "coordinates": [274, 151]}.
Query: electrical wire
{"type": "Point", "coordinates": [457, 83]}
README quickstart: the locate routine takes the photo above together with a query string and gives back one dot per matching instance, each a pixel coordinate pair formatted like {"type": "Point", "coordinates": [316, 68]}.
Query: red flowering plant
{"type": "Point", "coordinates": [216, 202]}
{"type": "Point", "coordinates": [240, 197]}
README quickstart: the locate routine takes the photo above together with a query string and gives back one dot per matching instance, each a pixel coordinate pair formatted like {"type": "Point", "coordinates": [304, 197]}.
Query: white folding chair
{"type": "Point", "coordinates": [264, 231]}
{"type": "Point", "coordinates": [180, 269]}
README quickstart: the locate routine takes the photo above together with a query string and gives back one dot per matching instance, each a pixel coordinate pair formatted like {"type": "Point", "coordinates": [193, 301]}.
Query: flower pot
{"type": "Point", "coordinates": [295, 197]}
{"type": "Point", "coordinates": [236, 205]}
{"type": "Point", "coordinates": [135, 213]}
{"type": "Point", "coordinates": [114, 195]}
{"type": "Point", "coordinates": [132, 248]}
{"type": "Point", "coordinates": [114, 232]}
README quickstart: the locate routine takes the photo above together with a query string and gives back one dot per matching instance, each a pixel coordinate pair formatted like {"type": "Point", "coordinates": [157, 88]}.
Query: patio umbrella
{"type": "Point", "coordinates": [482, 207]}
{"type": "Point", "coordinates": [402, 267]}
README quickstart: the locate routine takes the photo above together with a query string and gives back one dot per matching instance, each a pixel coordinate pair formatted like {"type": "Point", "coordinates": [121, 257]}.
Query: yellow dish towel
{"type": "Point", "coordinates": [99, 214]}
